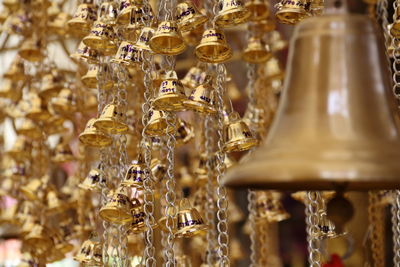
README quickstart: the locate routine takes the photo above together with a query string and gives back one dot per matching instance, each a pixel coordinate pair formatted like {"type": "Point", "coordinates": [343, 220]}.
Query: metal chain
{"type": "Point", "coordinates": [170, 196]}
{"type": "Point", "coordinates": [376, 214]}
{"type": "Point", "coordinates": [210, 205]}
{"type": "Point", "coordinates": [222, 202]}
{"type": "Point", "coordinates": [396, 58]}
{"type": "Point", "coordinates": [312, 221]}
{"type": "Point", "coordinates": [395, 225]}
{"type": "Point", "coordinates": [397, 232]}
{"type": "Point", "coordinates": [264, 236]}
{"type": "Point", "coordinates": [150, 260]}
{"type": "Point", "coordinates": [251, 198]}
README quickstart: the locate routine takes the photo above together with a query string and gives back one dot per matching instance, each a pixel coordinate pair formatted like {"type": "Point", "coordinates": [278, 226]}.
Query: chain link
{"type": "Point", "coordinates": [312, 221]}
{"type": "Point", "coordinates": [397, 232]}
{"type": "Point", "coordinates": [376, 217]}
{"type": "Point", "coordinates": [251, 198]}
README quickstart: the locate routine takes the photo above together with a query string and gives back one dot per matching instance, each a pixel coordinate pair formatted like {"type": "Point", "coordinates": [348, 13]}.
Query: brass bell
{"type": "Point", "coordinates": [237, 135]}
{"type": "Point", "coordinates": [111, 120]}
{"type": "Point", "coordinates": [326, 227]}
{"type": "Point", "coordinates": [171, 94]}
{"type": "Point", "coordinates": [124, 12]}
{"type": "Point", "coordinates": [52, 83]}
{"type": "Point", "coordinates": [194, 77]}
{"type": "Point", "coordinates": [292, 11]}
{"type": "Point", "coordinates": [268, 206]}
{"type": "Point", "coordinates": [108, 12]}
{"type": "Point", "coordinates": [54, 203]}
{"type": "Point", "coordinates": [276, 41]}
{"type": "Point", "coordinates": [157, 124]}
{"type": "Point", "coordinates": [142, 42]}
{"type": "Point", "coordinates": [188, 16]}
{"type": "Point", "coordinates": [273, 70]}
{"type": "Point", "coordinates": [136, 174]}
{"type": "Point", "coordinates": [28, 129]}
{"type": "Point", "coordinates": [21, 149]}
{"type": "Point", "coordinates": [167, 39]}
{"type": "Point", "coordinates": [85, 54]}
{"type": "Point", "coordinates": [38, 239]}
{"type": "Point", "coordinates": [31, 49]}
{"type": "Point", "coordinates": [94, 180]}
{"type": "Point", "coordinates": [201, 99]}
{"type": "Point", "coordinates": [353, 144]}
{"type": "Point", "coordinates": [101, 37]}
{"type": "Point", "coordinates": [184, 132]}
{"type": "Point", "coordinates": [64, 103]}
{"type": "Point", "coordinates": [83, 19]}
{"type": "Point", "coordinates": [93, 137]}
{"type": "Point", "coordinates": [62, 152]}
{"type": "Point", "coordinates": [90, 252]}
{"type": "Point", "coordinates": [256, 51]}
{"type": "Point", "coordinates": [118, 208]}
{"type": "Point", "coordinates": [90, 79]}
{"type": "Point", "coordinates": [231, 13]}
{"type": "Point", "coordinates": [138, 222]}
{"type": "Point", "coordinates": [189, 221]}
{"type": "Point", "coordinates": [213, 47]}
{"type": "Point", "coordinates": [127, 54]}
{"type": "Point", "coordinates": [259, 9]}
{"type": "Point", "coordinates": [58, 24]}
{"type": "Point", "coordinates": [16, 70]}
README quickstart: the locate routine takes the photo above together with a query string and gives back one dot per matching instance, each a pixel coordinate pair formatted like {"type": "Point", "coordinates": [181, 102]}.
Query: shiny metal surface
{"type": "Point", "coordinates": [337, 125]}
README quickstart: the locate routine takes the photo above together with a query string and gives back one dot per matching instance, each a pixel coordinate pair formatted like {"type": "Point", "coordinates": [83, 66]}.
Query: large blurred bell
{"type": "Point", "coordinates": [167, 40]}
{"type": "Point", "coordinates": [237, 135]}
{"type": "Point", "coordinates": [213, 47]}
{"type": "Point", "coordinates": [188, 16]}
{"type": "Point", "coordinates": [189, 221]}
{"type": "Point", "coordinates": [336, 126]}
{"type": "Point", "coordinates": [231, 13]}
{"type": "Point", "coordinates": [91, 136]}
{"type": "Point", "coordinates": [171, 94]}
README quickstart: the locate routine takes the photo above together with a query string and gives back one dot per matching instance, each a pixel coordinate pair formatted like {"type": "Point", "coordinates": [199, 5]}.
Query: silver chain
{"type": "Point", "coordinates": [222, 202]}
{"type": "Point", "coordinates": [395, 212]}
{"type": "Point", "coordinates": [251, 198]}
{"type": "Point", "coordinates": [170, 196]}
{"type": "Point", "coordinates": [312, 221]}
{"type": "Point", "coordinates": [396, 58]}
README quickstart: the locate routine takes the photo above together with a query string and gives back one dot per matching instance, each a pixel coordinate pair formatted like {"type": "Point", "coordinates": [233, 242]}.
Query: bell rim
{"type": "Point", "coordinates": [153, 131]}
{"type": "Point", "coordinates": [179, 49]}
{"type": "Point", "coordinates": [103, 123]}
{"type": "Point", "coordinates": [193, 231]}
{"type": "Point", "coordinates": [163, 103]}
{"type": "Point", "coordinates": [192, 23]}
{"type": "Point", "coordinates": [267, 56]}
{"type": "Point", "coordinates": [204, 58]}
{"type": "Point", "coordinates": [114, 216]}
{"type": "Point", "coordinates": [85, 137]}
{"type": "Point", "coordinates": [224, 19]}
{"type": "Point", "coordinates": [241, 145]}
{"type": "Point", "coordinates": [200, 108]}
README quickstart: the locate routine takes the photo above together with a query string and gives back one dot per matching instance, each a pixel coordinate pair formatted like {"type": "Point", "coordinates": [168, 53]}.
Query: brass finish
{"type": "Point", "coordinates": [167, 40]}
{"type": "Point", "coordinates": [111, 120]}
{"type": "Point", "coordinates": [189, 17]}
{"type": "Point", "coordinates": [231, 13]}
{"type": "Point", "coordinates": [101, 37]}
{"type": "Point", "coordinates": [259, 9]}
{"type": "Point", "coordinates": [336, 126]}
{"type": "Point", "coordinates": [82, 20]}
{"type": "Point", "coordinates": [142, 42]}
{"type": "Point", "coordinates": [202, 99]}
{"type": "Point", "coordinates": [171, 94]}
{"type": "Point", "coordinates": [118, 208]}
{"type": "Point", "coordinates": [93, 137]}
{"type": "Point", "coordinates": [136, 174]}
{"type": "Point", "coordinates": [189, 221]}
{"type": "Point", "coordinates": [184, 132]}
{"type": "Point", "coordinates": [256, 51]}
{"type": "Point", "coordinates": [213, 47]}
{"type": "Point", "coordinates": [292, 11]}
{"type": "Point", "coordinates": [157, 124]}
{"type": "Point", "coordinates": [94, 180]}
{"type": "Point", "coordinates": [31, 49]}
{"type": "Point", "coordinates": [86, 54]}
{"type": "Point", "coordinates": [237, 135]}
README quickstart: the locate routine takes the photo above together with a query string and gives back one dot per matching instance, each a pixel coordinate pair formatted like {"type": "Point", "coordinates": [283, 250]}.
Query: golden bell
{"type": "Point", "coordinates": [314, 144]}
{"type": "Point", "coordinates": [202, 99]}
{"type": "Point", "coordinates": [83, 19]}
{"type": "Point", "coordinates": [64, 103]}
{"type": "Point", "coordinates": [231, 13]}
{"type": "Point", "coordinates": [184, 132]}
{"type": "Point", "coordinates": [269, 207]}
{"type": "Point", "coordinates": [259, 9]}
{"type": "Point", "coordinates": [142, 42]}
{"type": "Point", "coordinates": [90, 79]}
{"type": "Point", "coordinates": [194, 77]}
{"type": "Point", "coordinates": [213, 47]}
{"type": "Point", "coordinates": [167, 39]}
{"type": "Point", "coordinates": [101, 37]}
{"type": "Point", "coordinates": [85, 54]}
{"type": "Point", "coordinates": [58, 24]}
{"type": "Point", "coordinates": [28, 129]}
{"type": "Point", "coordinates": [31, 49]}
{"type": "Point", "coordinates": [273, 70]}
{"type": "Point", "coordinates": [189, 221]}
{"type": "Point", "coordinates": [52, 83]}
{"type": "Point", "coordinates": [38, 239]}
{"type": "Point", "coordinates": [54, 203]}
{"type": "Point", "coordinates": [256, 51]}
{"type": "Point", "coordinates": [237, 135]}
{"type": "Point", "coordinates": [326, 227]}
{"type": "Point", "coordinates": [188, 16]}
{"type": "Point", "coordinates": [108, 12]}
{"type": "Point", "coordinates": [138, 218]}
{"type": "Point", "coordinates": [16, 70]}
{"type": "Point", "coordinates": [276, 41]}
{"type": "Point", "coordinates": [21, 149]}
{"type": "Point", "coordinates": [62, 153]}
{"type": "Point", "coordinates": [93, 137]}
{"type": "Point", "coordinates": [93, 180]}
{"type": "Point", "coordinates": [127, 54]}
{"type": "Point", "coordinates": [124, 12]}
{"type": "Point", "coordinates": [292, 11]}
{"type": "Point", "coordinates": [111, 120]}
{"type": "Point", "coordinates": [136, 174]}
{"type": "Point", "coordinates": [185, 178]}
{"type": "Point", "coordinates": [395, 29]}
{"type": "Point", "coordinates": [90, 253]}
{"type": "Point", "coordinates": [118, 208]}
{"type": "Point", "coordinates": [11, 90]}
{"type": "Point", "coordinates": [11, 4]}
{"type": "Point", "coordinates": [171, 94]}
{"type": "Point", "coordinates": [157, 124]}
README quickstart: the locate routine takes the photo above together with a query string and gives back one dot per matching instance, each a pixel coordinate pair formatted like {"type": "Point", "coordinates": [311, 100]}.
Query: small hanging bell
{"type": "Point", "coordinates": [21, 149]}
{"type": "Point", "coordinates": [93, 137]}
{"type": "Point", "coordinates": [90, 79]}
{"type": "Point", "coordinates": [111, 120]}
{"type": "Point", "coordinates": [276, 41]}
{"type": "Point", "coordinates": [64, 103]}
{"type": "Point", "coordinates": [256, 51]}
{"type": "Point", "coordinates": [127, 54]}
{"type": "Point", "coordinates": [32, 49]}
{"type": "Point", "coordinates": [136, 174]}
{"type": "Point", "coordinates": [108, 12]}
{"type": "Point", "coordinates": [292, 11]}
{"type": "Point", "coordinates": [52, 83]}
{"type": "Point", "coordinates": [269, 207]}
{"type": "Point", "coordinates": [118, 208]}
{"type": "Point", "coordinates": [90, 252]}
{"type": "Point", "coordinates": [171, 94]}
{"type": "Point", "coordinates": [101, 37]}
{"type": "Point", "coordinates": [158, 169]}
{"type": "Point", "coordinates": [142, 42]}
{"type": "Point", "coordinates": [193, 78]}
{"type": "Point", "coordinates": [189, 221]}
{"type": "Point", "coordinates": [62, 152]}
{"type": "Point", "coordinates": [237, 135]}
{"type": "Point", "coordinates": [317, 7]}
{"type": "Point", "coordinates": [54, 203]}
{"type": "Point", "coordinates": [16, 72]}
{"type": "Point", "coordinates": [137, 225]}
{"type": "Point", "coordinates": [33, 189]}
{"type": "Point", "coordinates": [184, 132]}
{"type": "Point", "coordinates": [273, 70]}
{"type": "Point", "coordinates": [259, 9]}
{"type": "Point", "coordinates": [213, 47]}
{"type": "Point", "coordinates": [326, 227]}
{"type": "Point", "coordinates": [202, 99]}
{"type": "Point", "coordinates": [231, 13]}
{"type": "Point", "coordinates": [94, 180]}
{"type": "Point", "coordinates": [124, 11]}
{"type": "Point", "coordinates": [167, 39]}
{"type": "Point", "coordinates": [85, 54]}
{"type": "Point", "coordinates": [188, 16]}
{"type": "Point", "coordinates": [28, 128]}
{"type": "Point", "coordinates": [58, 24]}
{"type": "Point", "coordinates": [38, 239]}
{"type": "Point", "coordinates": [82, 20]}
{"type": "Point", "coordinates": [157, 124]}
